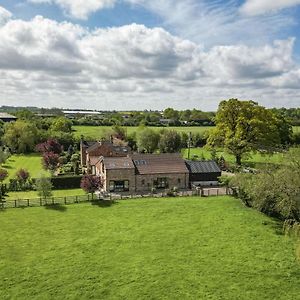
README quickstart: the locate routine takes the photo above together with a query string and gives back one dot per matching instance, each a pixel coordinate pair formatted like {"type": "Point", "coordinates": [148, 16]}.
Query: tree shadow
{"type": "Point", "coordinates": [57, 207]}
{"type": "Point", "coordinates": [104, 203]}
{"type": "Point", "coordinates": [7, 166]}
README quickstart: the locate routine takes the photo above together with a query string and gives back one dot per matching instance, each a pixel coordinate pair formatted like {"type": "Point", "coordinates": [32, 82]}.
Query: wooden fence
{"type": "Point", "coordinates": [35, 202]}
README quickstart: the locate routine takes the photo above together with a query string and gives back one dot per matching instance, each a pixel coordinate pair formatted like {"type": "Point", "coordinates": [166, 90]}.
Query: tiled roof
{"type": "Point", "coordinates": [94, 160]}
{"type": "Point", "coordinates": [165, 163]}
{"type": "Point", "coordinates": [118, 163]}
{"type": "Point", "coordinates": [116, 149]}
{"type": "Point", "coordinates": [203, 166]}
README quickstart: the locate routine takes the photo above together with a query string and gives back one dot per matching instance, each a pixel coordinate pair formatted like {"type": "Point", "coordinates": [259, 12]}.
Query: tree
{"type": "Point", "coordinates": [75, 160]}
{"type": "Point", "coordinates": [4, 155]}
{"type": "Point", "coordinates": [170, 113]}
{"type": "Point", "coordinates": [44, 186]}
{"type": "Point", "coordinates": [51, 145]}
{"type": "Point", "coordinates": [3, 174]}
{"type": "Point", "coordinates": [22, 177]}
{"type": "Point", "coordinates": [50, 161]}
{"type": "Point", "coordinates": [91, 183]}
{"type": "Point", "coordinates": [21, 136]}
{"type": "Point", "coordinates": [61, 124]}
{"type": "Point", "coordinates": [147, 140]}
{"type": "Point", "coordinates": [244, 126]}
{"type": "Point", "coordinates": [170, 141]}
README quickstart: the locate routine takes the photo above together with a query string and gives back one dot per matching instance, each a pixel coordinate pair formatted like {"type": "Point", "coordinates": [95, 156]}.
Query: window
{"type": "Point", "coordinates": [143, 181]}
{"type": "Point", "coordinates": [119, 186]}
{"type": "Point", "coordinates": [179, 180]}
{"type": "Point", "coordinates": [161, 183]}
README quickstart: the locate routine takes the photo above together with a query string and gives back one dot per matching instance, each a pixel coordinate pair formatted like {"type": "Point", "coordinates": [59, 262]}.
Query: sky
{"type": "Point", "coordinates": [149, 54]}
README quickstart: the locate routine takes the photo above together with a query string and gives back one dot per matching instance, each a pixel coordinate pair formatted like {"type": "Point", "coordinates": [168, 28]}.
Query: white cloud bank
{"type": "Point", "coordinates": [259, 7]}
{"type": "Point", "coordinates": [47, 63]}
{"type": "Point", "coordinates": [79, 9]}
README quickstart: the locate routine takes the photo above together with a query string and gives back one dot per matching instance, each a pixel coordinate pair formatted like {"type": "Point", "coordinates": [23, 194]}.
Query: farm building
{"type": "Point", "coordinates": [203, 173]}
{"type": "Point", "coordinates": [5, 117]}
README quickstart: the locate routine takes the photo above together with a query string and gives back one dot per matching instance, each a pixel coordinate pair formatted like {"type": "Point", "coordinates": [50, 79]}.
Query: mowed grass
{"type": "Point", "coordinates": [97, 132]}
{"type": "Point", "coordinates": [171, 248]}
{"type": "Point", "coordinates": [31, 162]}
{"type": "Point", "coordinates": [33, 194]}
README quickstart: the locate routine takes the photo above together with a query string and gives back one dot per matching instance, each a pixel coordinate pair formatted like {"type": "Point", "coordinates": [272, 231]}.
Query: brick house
{"type": "Point", "coordinates": [142, 172]}
{"type": "Point", "coordinates": [91, 152]}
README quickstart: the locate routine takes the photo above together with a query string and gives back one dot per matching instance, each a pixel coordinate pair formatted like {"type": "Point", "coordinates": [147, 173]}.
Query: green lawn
{"type": "Point", "coordinates": [33, 194]}
{"type": "Point", "coordinates": [172, 248]}
{"type": "Point", "coordinates": [255, 158]}
{"type": "Point", "coordinates": [31, 162]}
{"type": "Point", "coordinates": [96, 132]}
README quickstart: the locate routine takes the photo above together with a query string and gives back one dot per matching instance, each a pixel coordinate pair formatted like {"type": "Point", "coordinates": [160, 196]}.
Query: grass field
{"type": "Point", "coordinates": [96, 132]}
{"type": "Point", "coordinates": [31, 162]}
{"type": "Point", "coordinates": [33, 194]}
{"type": "Point", "coordinates": [255, 158]}
{"type": "Point", "coordinates": [172, 248]}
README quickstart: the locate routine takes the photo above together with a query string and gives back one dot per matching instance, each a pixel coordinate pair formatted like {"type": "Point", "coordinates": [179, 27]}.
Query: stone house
{"type": "Point", "coordinates": [142, 172]}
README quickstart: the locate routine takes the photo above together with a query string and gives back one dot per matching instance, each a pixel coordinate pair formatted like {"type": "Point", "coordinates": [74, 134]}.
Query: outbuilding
{"type": "Point", "coordinates": [203, 173]}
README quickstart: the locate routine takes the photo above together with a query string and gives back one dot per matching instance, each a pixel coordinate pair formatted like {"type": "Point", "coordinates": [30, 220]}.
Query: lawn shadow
{"type": "Point", "coordinates": [276, 225]}
{"type": "Point", "coordinates": [104, 203]}
{"type": "Point", "coordinates": [57, 207]}
{"type": "Point", "coordinates": [7, 166]}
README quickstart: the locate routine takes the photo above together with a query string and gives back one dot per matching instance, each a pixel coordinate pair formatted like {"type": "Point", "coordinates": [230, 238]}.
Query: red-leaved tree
{"type": "Point", "coordinates": [50, 161]}
{"type": "Point", "coordinates": [51, 145]}
{"type": "Point", "coordinates": [91, 183]}
{"type": "Point", "coordinates": [22, 175]}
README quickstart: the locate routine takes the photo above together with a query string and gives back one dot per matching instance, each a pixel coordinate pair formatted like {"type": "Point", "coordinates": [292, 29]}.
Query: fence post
{"type": "Point", "coordinates": [41, 204]}
{"type": "Point", "coordinates": [76, 197]}
{"type": "Point", "coordinates": [15, 203]}
{"type": "Point", "coordinates": [53, 200]}
{"type": "Point", "coordinates": [28, 202]}
{"type": "Point", "coordinates": [65, 200]}
{"type": "Point", "coordinates": [88, 197]}
{"type": "Point", "coordinates": [218, 192]}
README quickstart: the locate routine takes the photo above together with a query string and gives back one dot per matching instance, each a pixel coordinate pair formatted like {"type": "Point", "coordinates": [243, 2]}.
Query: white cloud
{"type": "Point", "coordinates": [215, 22]}
{"type": "Point", "coordinates": [48, 63]}
{"type": "Point", "coordinates": [5, 15]}
{"type": "Point", "coordinates": [259, 7]}
{"type": "Point", "coordinates": [79, 9]}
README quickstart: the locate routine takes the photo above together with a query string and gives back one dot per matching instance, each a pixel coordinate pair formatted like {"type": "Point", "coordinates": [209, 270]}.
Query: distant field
{"type": "Point", "coordinates": [171, 248]}
{"type": "Point", "coordinates": [96, 132]}
{"type": "Point", "coordinates": [33, 194]}
{"type": "Point", "coordinates": [32, 163]}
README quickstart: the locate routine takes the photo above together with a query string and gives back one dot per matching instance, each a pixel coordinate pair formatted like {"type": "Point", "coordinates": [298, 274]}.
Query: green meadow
{"type": "Point", "coordinates": [170, 248]}
{"type": "Point", "coordinates": [96, 132]}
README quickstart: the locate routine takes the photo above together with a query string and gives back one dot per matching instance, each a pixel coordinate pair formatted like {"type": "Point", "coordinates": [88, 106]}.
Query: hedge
{"type": "Point", "coordinates": [66, 182]}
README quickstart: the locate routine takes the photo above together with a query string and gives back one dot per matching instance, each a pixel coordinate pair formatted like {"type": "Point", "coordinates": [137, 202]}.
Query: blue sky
{"type": "Point", "coordinates": [141, 54]}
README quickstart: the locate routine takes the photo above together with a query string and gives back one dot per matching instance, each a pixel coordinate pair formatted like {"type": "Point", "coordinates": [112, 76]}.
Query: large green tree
{"type": "Point", "coordinates": [244, 126]}
{"type": "Point", "coordinates": [170, 141]}
{"type": "Point", "coordinates": [21, 136]}
{"type": "Point", "coordinates": [147, 140]}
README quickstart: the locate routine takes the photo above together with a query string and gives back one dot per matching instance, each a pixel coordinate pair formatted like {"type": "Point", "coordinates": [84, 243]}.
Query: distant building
{"type": "Point", "coordinates": [75, 113]}
{"type": "Point", "coordinates": [5, 117]}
